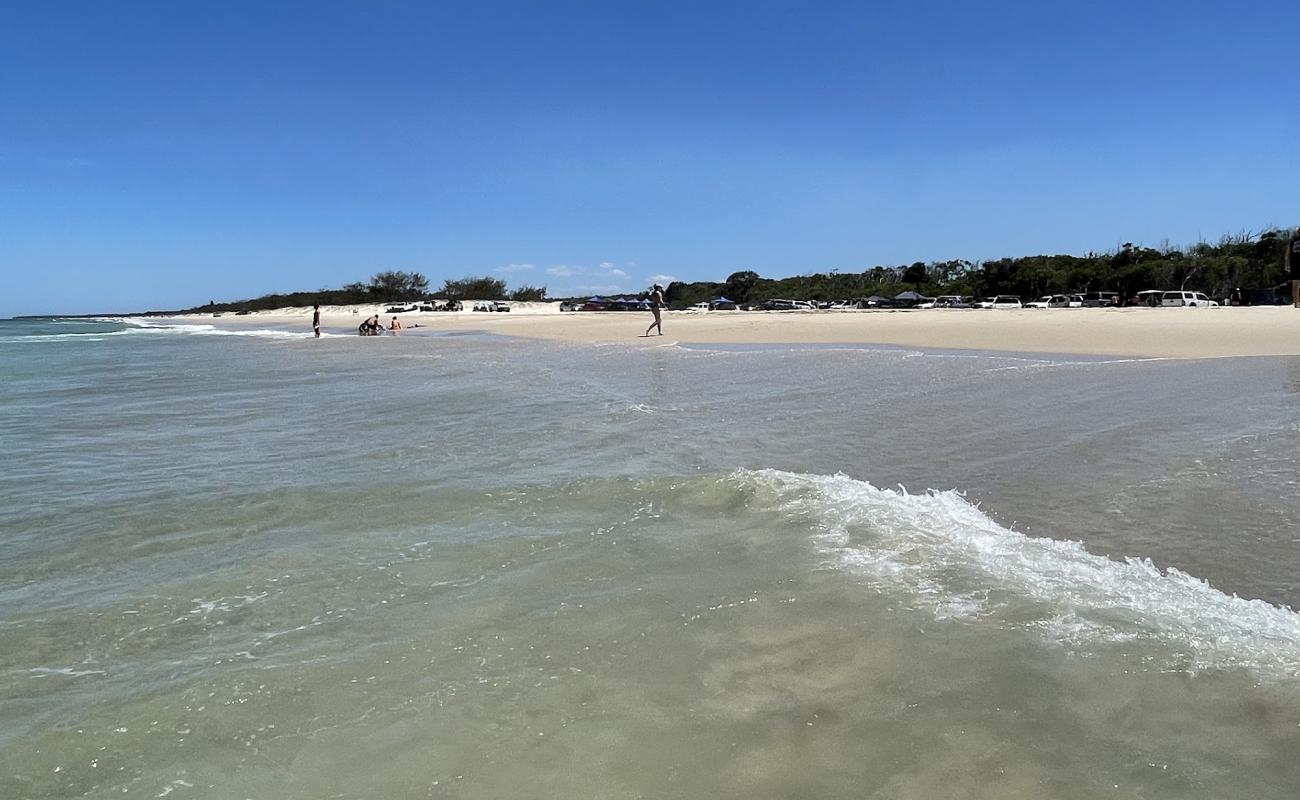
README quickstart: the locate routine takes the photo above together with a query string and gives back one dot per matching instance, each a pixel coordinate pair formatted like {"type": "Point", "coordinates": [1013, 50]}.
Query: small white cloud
{"type": "Point", "coordinates": [664, 279]}
{"type": "Point", "coordinates": [508, 268]}
{"type": "Point", "coordinates": [616, 273]}
{"type": "Point", "coordinates": [600, 289]}
{"type": "Point", "coordinates": [561, 271]}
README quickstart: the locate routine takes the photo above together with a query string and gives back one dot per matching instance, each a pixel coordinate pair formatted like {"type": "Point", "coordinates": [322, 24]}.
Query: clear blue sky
{"type": "Point", "coordinates": [163, 154]}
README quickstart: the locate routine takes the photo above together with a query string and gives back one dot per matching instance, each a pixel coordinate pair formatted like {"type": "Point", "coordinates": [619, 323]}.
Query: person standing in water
{"type": "Point", "coordinates": [394, 327]}
{"type": "Point", "coordinates": [315, 319]}
{"type": "Point", "coordinates": [1291, 262]}
{"type": "Point", "coordinates": [656, 303]}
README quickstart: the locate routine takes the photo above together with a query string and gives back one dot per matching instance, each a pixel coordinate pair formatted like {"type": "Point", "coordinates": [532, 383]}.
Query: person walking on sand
{"type": "Point", "coordinates": [315, 319]}
{"type": "Point", "coordinates": [656, 303]}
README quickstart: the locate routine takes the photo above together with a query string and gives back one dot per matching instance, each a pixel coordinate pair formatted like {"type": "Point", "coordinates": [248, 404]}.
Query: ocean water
{"type": "Point", "coordinates": [261, 565]}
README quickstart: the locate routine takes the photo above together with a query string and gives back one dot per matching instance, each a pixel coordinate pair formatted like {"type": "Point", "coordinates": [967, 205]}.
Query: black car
{"type": "Point", "coordinates": [1100, 299]}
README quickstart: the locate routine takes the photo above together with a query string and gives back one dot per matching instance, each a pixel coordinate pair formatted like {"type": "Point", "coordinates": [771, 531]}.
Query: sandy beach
{"type": "Point", "coordinates": [1132, 332]}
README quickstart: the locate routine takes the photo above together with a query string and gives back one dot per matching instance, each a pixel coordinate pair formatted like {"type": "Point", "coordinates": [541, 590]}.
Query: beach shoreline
{"type": "Point", "coordinates": [390, 540]}
{"type": "Point", "coordinates": [1129, 332]}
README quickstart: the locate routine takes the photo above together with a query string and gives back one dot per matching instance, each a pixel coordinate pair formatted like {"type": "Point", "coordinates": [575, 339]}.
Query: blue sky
{"type": "Point", "coordinates": [159, 155]}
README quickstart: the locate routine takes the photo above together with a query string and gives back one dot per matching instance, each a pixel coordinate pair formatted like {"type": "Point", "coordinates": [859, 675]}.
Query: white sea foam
{"type": "Point", "coordinates": [61, 337]}
{"type": "Point", "coordinates": [66, 672]}
{"type": "Point", "coordinates": [138, 328]}
{"type": "Point", "coordinates": [144, 326]}
{"type": "Point", "coordinates": [949, 558]}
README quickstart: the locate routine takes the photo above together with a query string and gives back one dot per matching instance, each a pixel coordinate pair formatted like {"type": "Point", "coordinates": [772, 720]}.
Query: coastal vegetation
{"type": "Point", "coordinates": [1243, 260]}
{"type": "Point", "coordinates": [1246, 260]}
{"type": "Point", "coordinates": [383, 287]}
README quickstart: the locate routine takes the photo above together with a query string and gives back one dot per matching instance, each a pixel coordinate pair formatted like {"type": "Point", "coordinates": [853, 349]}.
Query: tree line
{"type": "Point", "coordinates": [1246, 260]}
{"type": "Point", "coordinates": [392, 286]}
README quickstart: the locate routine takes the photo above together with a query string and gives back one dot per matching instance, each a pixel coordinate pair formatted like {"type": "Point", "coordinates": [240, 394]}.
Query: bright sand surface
{"type": "Point", "coordinates": [1131, 332]}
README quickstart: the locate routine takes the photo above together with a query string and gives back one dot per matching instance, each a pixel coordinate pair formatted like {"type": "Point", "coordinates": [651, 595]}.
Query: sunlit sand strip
{"type": "Point", "coordinates": [1137, 332]}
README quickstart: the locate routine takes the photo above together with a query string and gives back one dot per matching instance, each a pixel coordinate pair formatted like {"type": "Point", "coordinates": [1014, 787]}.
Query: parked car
{"type": "Point", "coordinates": [1050, 301]}
{"type": "Point", "coordinates": [699, 307]}
{"type": "Point", "coordinates": [1100, 299]}
{"type": "Point", "coordinates": [1006, 301]}
{"type": "Point", "coordinates": [1148, 297]}
{"type": "Point", "coordinates": [952, 301]}
{"type": "Point", "coordinates": [1180, 298]}
{"type": "Point", "coordinates": [1076, 300]}
{"type": "Point", "coordinates": [484, 305]}
{"type": "Point", "coordinates": [986, 302]}
{"type": "Point", "coordinates": [400, 308]}
{"type": "Point", "coordinates": [788, 305]}
{"type": "Point", "coordinates": [570, 305]}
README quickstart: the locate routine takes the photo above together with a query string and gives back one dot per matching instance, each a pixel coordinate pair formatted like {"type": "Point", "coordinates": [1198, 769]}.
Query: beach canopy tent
{"type": "Point", "coordinates": [723, 304]}
{"type": "Point", "coordinates": [910, 298]}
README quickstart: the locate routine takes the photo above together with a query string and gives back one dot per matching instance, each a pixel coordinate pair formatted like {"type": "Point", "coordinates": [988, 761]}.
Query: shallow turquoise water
{"type": "Point", "coordinates": [463, 566]}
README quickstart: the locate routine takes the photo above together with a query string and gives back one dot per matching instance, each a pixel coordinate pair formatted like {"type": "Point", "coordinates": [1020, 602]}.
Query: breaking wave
{"type": "Point", "coordinates": [212, 330]}
{"type": "Point", "coordinates": [950, 559]}
{"type": "Point", "coordinates": [98, 330]}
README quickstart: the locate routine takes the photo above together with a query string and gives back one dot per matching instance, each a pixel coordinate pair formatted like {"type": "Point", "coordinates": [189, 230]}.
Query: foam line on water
{"type": "Point", "coordinates": [953, 560]}
{"type": "Point", "coordinates": [140, 326]}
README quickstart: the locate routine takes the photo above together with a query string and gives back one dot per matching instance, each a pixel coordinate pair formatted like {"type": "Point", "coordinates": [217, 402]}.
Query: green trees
{"type": "Point", "coordinates": [383, 287]}
{"type": "Point", "coordinates": [396, 285]}
{"type": "Point", "coordinates": [915, 274]}
{"type": "Point", "coordinates": [739, 285]}
{"type": "Point", "coordinates": [1242, 260]}
{"type": "Point", "coordinates": [475, 289]}
{"type": "Point", "coordinates": [529, 294]}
